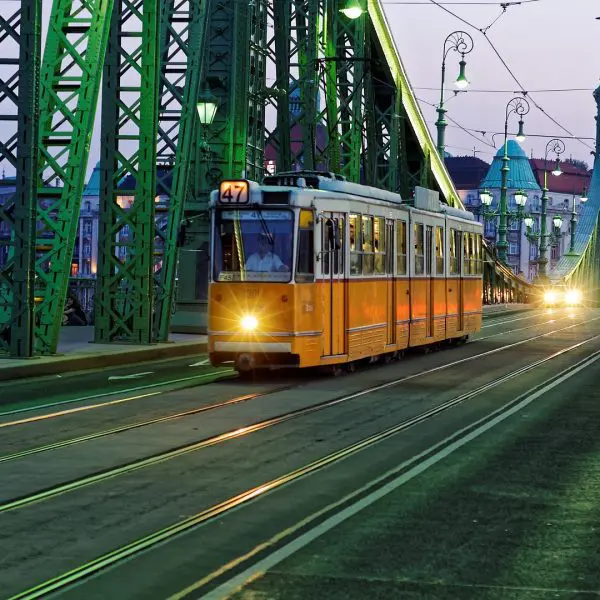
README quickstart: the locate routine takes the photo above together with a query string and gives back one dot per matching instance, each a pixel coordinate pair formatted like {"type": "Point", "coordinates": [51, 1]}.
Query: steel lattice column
{"type": "Point", "coordinates": [232, 146]}
{"type": "Point", "coordinates": [183, 26]}
{"type": "Point", "coordinates": [20, 36]}
{"type": "Point", "coordinates": [70, 81]}
{"type": "Point", "coordinates": [124, 294]}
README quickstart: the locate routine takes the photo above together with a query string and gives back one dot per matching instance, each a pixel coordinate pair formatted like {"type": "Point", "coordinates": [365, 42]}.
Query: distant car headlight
{"type": "Point", "coordinates": [573, 297]}
{"type": "Point", "coordinates": [550, 297]}
{"type": "Point", "coordinates": [249, 323]}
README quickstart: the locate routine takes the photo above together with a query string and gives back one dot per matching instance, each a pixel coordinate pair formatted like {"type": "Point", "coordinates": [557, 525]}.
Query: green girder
{"type": "Point", "coordinates": [124, 295]}
{"type": "Point", "coordinates": [20, 52]}
{"type": "Point", "coordinates": [183, 24]}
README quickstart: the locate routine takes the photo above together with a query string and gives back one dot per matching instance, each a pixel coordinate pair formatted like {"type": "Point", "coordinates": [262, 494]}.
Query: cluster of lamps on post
{"type": "Point", "coordinates": [543, 238]}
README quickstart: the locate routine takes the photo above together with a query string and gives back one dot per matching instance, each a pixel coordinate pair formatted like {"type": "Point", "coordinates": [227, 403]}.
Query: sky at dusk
{"type": "Point", "coordinates": [548, 44]}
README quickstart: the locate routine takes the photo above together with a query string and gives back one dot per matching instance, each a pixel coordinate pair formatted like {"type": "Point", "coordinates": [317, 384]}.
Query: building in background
{"type": "Point", "coordinates": [467, 173]}
{"type": "Point", "coordinates": [472, 175]}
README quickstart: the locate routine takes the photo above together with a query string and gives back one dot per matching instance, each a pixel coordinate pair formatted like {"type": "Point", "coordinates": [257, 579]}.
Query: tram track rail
{"type": "Point", "coordinates": [163, 456]}
{"type": "Point", "coordinates": [225, 374]}
{"type": "Point", "coordinates": [417, 464]}
{"type": "Point", "coordinates": [186, 381]}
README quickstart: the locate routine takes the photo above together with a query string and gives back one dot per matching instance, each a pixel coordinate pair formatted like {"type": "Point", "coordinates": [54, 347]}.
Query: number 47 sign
{"type": "Point", "coordinates": [234, 192]}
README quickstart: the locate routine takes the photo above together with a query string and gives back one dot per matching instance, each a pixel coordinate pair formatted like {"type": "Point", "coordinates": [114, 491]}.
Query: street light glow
{"type": "Point", "coordinates": [557, 221]}
{"type": "Point", "coordinates": [557, 170]}
{"type": "Point", "coordinates": [206, 106]}
{"type": "Point", "coordinates": [353, 10]}
{"type": "Point", "coordinates": [528, 222]}
{"type": "Point", "coordinates": [462, 81]}
{"type": "Point", "coordinates": [486, 197]}
{"type": "Point", "coordinates": [520, 198]}
{"type": "Point", "coordinates": [521, 137]}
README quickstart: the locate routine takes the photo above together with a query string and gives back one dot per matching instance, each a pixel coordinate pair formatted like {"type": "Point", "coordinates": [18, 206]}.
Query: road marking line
{"type": "Point", "coordinates": [104, 394]}
{"type": "Point", "coordinates": [134, 376]}
{"type": "Point", "coordinates": [236, 583]}
{"type": "Point", "coordinates": [201, 363]}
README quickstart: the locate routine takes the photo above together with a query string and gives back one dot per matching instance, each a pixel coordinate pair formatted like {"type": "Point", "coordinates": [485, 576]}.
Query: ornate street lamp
{"type": "Point", "coordinates": [206, 105]}
{"type": "Point", "coordinates": [520, 107]}
{"type": "Point", "coordinates": [486, 200]}
{"type": "Point", "coordinates": [352, 10]}
{"type": "Point", "coordinates": [462, 42]}
{"type": "Point", "coordinates": [557, 147]}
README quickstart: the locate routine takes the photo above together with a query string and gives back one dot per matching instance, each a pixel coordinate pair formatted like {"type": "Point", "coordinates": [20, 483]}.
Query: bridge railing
{"type": "Point", "coordinates": [580, 267]}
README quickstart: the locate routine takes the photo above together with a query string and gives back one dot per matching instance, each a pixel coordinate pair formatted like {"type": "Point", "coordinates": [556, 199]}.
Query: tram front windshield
{"type": "Point", "coordinates": [253, 245]}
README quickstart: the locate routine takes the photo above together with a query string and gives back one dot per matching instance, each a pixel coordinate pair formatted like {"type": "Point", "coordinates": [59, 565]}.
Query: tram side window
{"type": "Point", "coordinates": [455, 252]}
{"type": "Point", "coordinates": [419, 249]}
{"type": "Point", "coordinates": [479, 255]}
{"type": "Point", "coordinates": [355, 245]}
{"type": "Point", "coordinates": [468, 264]}
{"type": "Point", "coordinates": [401, 247]}
{"type": "Point", "coordinates": [338, 253]}
{"type": "Point", "coordinates": [379, 231]}
{"type": "Point", "coordinates": [305, 271]}
{"type": "Point", "coordinates": [368, 245]}
{"type": "Point", "coordinates": [439, 250]}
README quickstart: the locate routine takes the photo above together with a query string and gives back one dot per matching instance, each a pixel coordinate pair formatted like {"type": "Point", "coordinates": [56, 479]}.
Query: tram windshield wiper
{"type": "Point", "coordinates": [264, 226]}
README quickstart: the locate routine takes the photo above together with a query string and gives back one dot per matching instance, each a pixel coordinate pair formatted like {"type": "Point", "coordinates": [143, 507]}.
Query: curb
{"type": "Point", "coordinates": [66, 364]}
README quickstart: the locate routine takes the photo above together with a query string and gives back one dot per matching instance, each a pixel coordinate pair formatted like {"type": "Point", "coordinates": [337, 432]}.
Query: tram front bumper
{"type": "Point", "coordinates": [248, 355]}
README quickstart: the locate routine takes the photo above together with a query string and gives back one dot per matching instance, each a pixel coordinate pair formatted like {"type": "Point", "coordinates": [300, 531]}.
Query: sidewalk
{"type": "Point", "coordinates": [77, 353]}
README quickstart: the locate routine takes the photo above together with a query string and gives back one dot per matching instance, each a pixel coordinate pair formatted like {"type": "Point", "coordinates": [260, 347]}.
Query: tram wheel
{"type": "Point", "coordinates": [351, 367]}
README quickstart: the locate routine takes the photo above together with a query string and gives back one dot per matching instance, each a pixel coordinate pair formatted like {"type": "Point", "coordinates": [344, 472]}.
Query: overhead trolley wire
{"type": "Point", "coordinates": [523, 91]}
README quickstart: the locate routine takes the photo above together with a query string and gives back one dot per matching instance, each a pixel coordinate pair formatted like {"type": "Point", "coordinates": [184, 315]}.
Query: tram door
{"type": "Point", "coordinates": [390, 282]}
{"type": "Point", "coordinates": [431, 281]}
{"type": "Point", "coordinates": [334, 285]}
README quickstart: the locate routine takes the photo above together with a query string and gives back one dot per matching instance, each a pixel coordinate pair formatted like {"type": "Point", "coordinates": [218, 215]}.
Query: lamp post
{"type": "Point", "coordinates": [486, 200]}
{"type": "Point", "coordinates": [520, 107]}
{"type": "Point", "coordinates": [582, 198]}
{"type": "Point", "coordinates": [557, 147]}
{"type": "Point", "coordinates": [462, 42]}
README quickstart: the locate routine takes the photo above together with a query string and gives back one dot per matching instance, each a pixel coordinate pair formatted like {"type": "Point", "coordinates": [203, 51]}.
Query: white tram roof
{"type": "Point", "coordinates": [304, 182]}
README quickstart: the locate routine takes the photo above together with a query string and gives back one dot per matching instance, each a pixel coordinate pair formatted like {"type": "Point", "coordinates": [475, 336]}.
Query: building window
{"type": "Point", "coordinates": [533, 252]}
{"type": "Point", "coordinates": [513, 248]}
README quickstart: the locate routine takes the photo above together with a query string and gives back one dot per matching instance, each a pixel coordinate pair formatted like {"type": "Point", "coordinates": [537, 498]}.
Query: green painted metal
{"type": "Point", "coordinates": [20, 57]}
{"type": "Point", "coordinates": [124, 295]}
{"type": "Point", "coordinates": [183, 25]}
{"type": "Point", "coordinates": [69, 86]}
{"type": "Point", "coordinates": [581, 266]}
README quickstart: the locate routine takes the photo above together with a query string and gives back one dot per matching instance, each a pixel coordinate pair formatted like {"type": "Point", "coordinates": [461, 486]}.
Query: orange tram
{"type": "Point", "coordinates": [311, 270]}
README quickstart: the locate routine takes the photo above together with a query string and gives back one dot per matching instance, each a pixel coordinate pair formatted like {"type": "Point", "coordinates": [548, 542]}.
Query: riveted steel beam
{"type": "Point", "coordinates": [124, 295]}
{"type": "Point", "coordinates": [20, 51]}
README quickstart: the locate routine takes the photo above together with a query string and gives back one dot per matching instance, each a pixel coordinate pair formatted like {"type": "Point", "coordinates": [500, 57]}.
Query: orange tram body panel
{"type": "Point", "coordinates": [310, 270]}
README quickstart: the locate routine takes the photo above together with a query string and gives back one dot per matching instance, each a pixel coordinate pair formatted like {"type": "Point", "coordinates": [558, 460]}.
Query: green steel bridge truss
{"type": "Point", "coordinates": [298, 77]}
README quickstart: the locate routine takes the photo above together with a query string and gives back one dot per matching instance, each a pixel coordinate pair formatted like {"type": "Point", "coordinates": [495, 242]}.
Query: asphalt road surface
{"type": "Point", "coordinates": [294, 486]}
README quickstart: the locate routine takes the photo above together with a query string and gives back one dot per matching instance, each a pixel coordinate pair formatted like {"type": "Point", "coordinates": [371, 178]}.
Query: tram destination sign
{"type": "Point", "coordinates": [234, 192]}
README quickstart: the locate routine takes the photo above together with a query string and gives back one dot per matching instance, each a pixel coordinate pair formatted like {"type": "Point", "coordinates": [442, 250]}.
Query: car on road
{"type": "Point", "coordinates": [561, 295]}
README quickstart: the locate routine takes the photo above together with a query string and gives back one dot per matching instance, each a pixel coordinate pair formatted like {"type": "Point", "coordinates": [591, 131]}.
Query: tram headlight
{"type": "Point", "coordinates": [249, 323]}
{"type": "Point", "coordinates": [573, 297]}
{"type": "Point", "coordinates": [550, 297]}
